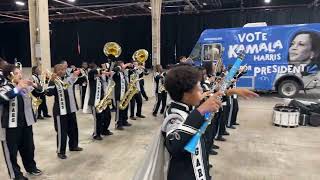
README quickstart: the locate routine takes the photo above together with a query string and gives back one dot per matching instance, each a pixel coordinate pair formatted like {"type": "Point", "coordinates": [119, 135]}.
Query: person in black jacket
{"type": "Point", "coordinates": [64, 109]}
{"type": "Point", "coordinates": [36, 77]}
{"type": "Point", "coordinates": [143, 72]}
{"type": "Point", "coordinates": [120, 78]}
{"type": "Point", "coordinates": [97, 93]}
{"type": "Point", "coordinates": [160, 92]}
{"type": "Point", "coordinates": [16, 128]}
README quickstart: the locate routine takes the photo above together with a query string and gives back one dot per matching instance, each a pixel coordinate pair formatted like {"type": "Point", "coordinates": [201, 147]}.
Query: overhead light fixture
{"type": "Point", "coordinates": [72, 1]}
{"type": "Point", "coordinates": [20, 3]}
{"type": "Point", "coordinates": [267, 1]}
{"type": "Point", "coordinates": [59, 12]}
{"type": "Point", "coordinates": [150, 7]}
{"type": "Point", "coordinates": [204, 4]}
{"type": "Point", "coordinates": [102, 10]}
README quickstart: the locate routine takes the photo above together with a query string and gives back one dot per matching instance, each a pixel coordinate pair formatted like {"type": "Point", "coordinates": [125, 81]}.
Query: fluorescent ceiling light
{"type": "Point", "coordinates": [72, 1]}
{"type": "Point", "coordinates": [20, 3]}
{"type": "Point", "coordinates": [59, 12]}
{"type": "Point", "coordinates": [267, 1]}
{"type": "Point", "coordinates": [150, 7]}
{"type": "Point", "coordinates": [204, 4]}
{"type": "Point", "coordinates": [102, 10]}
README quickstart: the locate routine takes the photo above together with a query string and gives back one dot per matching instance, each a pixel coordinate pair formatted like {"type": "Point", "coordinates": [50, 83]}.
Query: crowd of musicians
{"type": "Point", "coordinates": [103, 89]}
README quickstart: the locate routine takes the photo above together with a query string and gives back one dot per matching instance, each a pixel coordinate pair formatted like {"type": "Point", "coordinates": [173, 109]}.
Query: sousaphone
{"type": "Point", "coordinates": [112, 48]}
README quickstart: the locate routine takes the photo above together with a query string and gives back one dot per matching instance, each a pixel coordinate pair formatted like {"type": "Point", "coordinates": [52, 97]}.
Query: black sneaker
{"type": "Point", "coordinates": [220, 138]}
{"type": "Point", "coordinates": [237, 124]}
{"type": "Point", "coordinates": [21, 178]}
{"type": "Point", "coordinates": [231, 127]}
{"type": "Point", "coordinates": [120, 128]}
{"type": "Point", "coordinates": [141, 116]}
{"type": "Point", "coordinates": [99, 138]}
{"type": "Point", "coordinates": [76, 149]}
{"type": "Point", "coordinates": [62, 156]}
{"type": "Point", "coordinates": [154, 114]}
{"type": "Point", "coordinates": [40, 117]}
{"type": "Point", "coordinates": [147, 99]}
{"type": "Point", "coordinates": [213, 152]}
{"type": "Point", "coordinates": [107, 133]}
{"type": "Point", "coordinates": [127, 124]}
{"type": "Point", "coordinates": [133, 118]}
{"type": "Point", "coordinates": [215, 146]}
{"type": "Point", "coordinates": [35, 172]}
{"type": "Point", "coordinates": [226, 133]}
{"type": "Point", "coordinates": [47, 116]}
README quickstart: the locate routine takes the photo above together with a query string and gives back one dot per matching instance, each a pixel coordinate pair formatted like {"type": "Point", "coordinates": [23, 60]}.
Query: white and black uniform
{"type": "Point", "coordinates": [161, 96]}
{"type": "Point", "coordinates": [97, 92]}
{"type": "Point", "coordinates": [141, 73]}
{"type": "Point", "coordinates": [177, 133]}
{"type": "Point", "coordinates": [43, 106]}
{"type": "Point", "coordinates": [64, 113]}
{"type": "Point", "coordinates": [121, 86]}
{"type": "Point", "coordinates": [137, 98]}
{"type": "Point", "coordinates": [16, 129]}
{"type": "Point", "coordinates": [83, 87]}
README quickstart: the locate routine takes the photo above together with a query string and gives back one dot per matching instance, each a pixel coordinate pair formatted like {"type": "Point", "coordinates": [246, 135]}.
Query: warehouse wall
{"type": "Point", "coordinates": [179, 33]}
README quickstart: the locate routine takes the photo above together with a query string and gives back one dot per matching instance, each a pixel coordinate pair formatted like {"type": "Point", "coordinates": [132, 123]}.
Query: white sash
{"type": "Point", "coordinates": [98, 92]}
{"type": "Point", "coordinates": [123, 85]}
{"type": "Point", "coordinates": [86, 108]}
{"type": "Point", "coordinates": [62, 99]}
{"type": "Point", "coordinates": [197, 163]}
{"type": "Point", "coordinates": [13, 115]}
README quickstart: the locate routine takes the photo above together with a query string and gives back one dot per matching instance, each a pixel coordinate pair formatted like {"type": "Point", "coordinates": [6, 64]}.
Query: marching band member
{"type": "Point", "coordinates": [142, 71]}
{"type": "Point", "coordinates": [83, 86]}
{"type": "Point", "coordinates": [97, 93]}
{"type": "Point", "coordinates": [36, 72]}
{"type": "Point", "coordinates": [206, 84]}
{"type": "Point", "coordinates": [3, 63]}
{"type": "Point", "coordinates": [120, 77]}
{"type": "Point", "coordinates": [172, 162]}
{"type": "Point", "coordinates": [137, 98]}
{"type": "Point", "coordinates": [160, 92]}
{"type": "Point", "coordinates": [64, 109]}
{"type": "Point", "coordinates": [18, 135]}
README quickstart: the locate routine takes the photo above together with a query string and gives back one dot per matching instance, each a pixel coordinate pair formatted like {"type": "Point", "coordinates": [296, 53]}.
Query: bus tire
{"type": "Point", "coordinates": [288, 88]}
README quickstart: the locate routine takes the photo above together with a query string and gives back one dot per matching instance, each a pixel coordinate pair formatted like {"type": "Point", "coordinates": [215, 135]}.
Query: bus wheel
{"type": "Point", "coordinates": [288, 88]}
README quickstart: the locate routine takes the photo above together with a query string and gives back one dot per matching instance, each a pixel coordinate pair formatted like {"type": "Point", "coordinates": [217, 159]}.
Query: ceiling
{"type": "Point", "coordinates": [62, 10]}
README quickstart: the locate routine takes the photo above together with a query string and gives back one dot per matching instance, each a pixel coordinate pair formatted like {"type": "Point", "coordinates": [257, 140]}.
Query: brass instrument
{"type": "Point", "coordinates": [18, 64]}
{"type": "Point", "coordinates": [112, 48]}
{"type": "Point", "coordinates": [132, 90]}
{"type": "Point", "coordinates": [140, 56]}
{"type": "Point", "coordinates": [58, 79]}
{"type": "Point", "coordinates": [106, 101]}
{"type": "Point", "coordinates": [36, 101]}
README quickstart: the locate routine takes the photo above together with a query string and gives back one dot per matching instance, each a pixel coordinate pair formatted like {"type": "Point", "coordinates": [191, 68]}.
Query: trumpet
{"type": "Point", "coordinates": [106, 101]}
{"type": "Point", "coordinates": [58, 79]}
{"type": "Point", "coordinates": [18, 64]}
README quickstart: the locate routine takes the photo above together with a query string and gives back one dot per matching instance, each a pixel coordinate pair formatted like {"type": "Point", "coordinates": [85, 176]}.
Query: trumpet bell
{"type": "Point", "coordinates": [140, 56]}
{"type": "Point", "coordinates": [112, 48]}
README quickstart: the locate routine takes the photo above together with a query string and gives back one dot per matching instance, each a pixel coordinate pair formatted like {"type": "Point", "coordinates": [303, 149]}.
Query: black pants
{"type": "Point", "coordinates": [19, 140]}
{"type": "Point", "coordinates": [43, 106]}
{"type": "Point", "coordinates": [222, 119]}
{"type": "Point", "coordinates": [137, 98]}
{"type": "Point", "coordinates": [101, 121]}
{"type": "Point", "coordinates": [235, 111]}
{"type": "Point", "coordinates": [160, 98]}
{"type": "Point", "coordinates": [83, 90]}
{"type": "Point", "coordinates": [143, 92]}
{"type": "Point", "coordinates": [121, 116]}
{"type": "Point", "coordinates": [66, 126]}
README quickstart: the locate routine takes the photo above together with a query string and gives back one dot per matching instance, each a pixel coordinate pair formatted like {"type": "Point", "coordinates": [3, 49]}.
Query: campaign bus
{"type": "Point", "coordinates": [284, 58]}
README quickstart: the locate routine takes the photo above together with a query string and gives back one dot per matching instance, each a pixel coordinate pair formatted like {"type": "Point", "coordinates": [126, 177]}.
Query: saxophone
{"type": "Point", "coordinates": [106, 101]}
{"type": "Point", "coordinates": [132, 90]}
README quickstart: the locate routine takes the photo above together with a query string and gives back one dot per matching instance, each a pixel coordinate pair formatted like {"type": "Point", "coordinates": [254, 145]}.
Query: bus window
{"type": "Point", "coordinates": [212, 52]}
{"type": "Point", "coordinates": [195, 54]}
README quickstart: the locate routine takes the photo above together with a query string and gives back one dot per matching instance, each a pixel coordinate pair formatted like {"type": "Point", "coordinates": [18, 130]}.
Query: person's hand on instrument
{"type": "Point", "coordinates": [212, 104]}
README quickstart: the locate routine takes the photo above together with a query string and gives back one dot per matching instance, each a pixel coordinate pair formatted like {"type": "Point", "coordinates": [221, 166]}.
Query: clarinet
{"type": "Point", "coordinates": [192, 144]}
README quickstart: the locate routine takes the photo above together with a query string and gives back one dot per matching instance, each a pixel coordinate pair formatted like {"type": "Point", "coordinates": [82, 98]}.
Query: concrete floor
{"type": "Point", "coordinates": [256, 150]}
